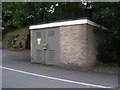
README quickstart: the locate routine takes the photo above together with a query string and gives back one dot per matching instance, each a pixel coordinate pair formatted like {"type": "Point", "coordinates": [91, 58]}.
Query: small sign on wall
{"type": "Point", "coordinates": [38, 41]}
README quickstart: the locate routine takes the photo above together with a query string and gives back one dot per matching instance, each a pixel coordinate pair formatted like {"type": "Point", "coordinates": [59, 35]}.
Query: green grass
{"type": "Point", "coordinates": [22, 32]}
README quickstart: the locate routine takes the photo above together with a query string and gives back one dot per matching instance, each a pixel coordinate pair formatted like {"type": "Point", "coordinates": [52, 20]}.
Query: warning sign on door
{"type": "Point", "coordinates": [38, 41]}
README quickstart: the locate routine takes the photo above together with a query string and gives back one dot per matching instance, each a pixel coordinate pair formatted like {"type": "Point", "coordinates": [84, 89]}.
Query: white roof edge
{"type": "Point", "coordinates": [95, 24]}
{"type": "Point", "coordinates": [65, 23]}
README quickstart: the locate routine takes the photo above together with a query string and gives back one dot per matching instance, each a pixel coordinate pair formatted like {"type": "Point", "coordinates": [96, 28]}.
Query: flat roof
{"type": "Point", "coordinates": [66, 23]}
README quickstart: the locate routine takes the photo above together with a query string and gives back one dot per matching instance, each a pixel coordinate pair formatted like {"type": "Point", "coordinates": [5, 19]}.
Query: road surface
{"type": "Point", "coordinates": [18, 72]}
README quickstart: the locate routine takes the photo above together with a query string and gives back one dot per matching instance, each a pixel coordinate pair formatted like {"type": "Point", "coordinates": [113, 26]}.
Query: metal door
{"type": "Point", "coordinates": [37, 40]}
{"type": "Point", "coordinates": [45, 46]}
{"type": "Point", "coordinates": [52, 40]}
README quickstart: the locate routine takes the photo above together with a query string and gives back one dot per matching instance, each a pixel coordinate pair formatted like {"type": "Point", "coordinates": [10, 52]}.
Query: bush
{"type": "Point", "coordinates": [108, 46]}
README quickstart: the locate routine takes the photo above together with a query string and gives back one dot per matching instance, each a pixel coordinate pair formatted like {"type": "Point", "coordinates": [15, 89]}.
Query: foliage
{"type": "Point", "coordinates": [19, 14]}
{"type": "Point", "coordinates": [23, 13]}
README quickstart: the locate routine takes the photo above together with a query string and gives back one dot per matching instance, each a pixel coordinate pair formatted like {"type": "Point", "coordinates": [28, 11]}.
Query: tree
{"type": "Point", "coordinates": [107, 14]}
{"type": "Point", "coordinates": [19, 14]}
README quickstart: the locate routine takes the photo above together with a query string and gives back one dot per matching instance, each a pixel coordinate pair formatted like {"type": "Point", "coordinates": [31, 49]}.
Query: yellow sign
{"type": "Point", "coordinates": [39, 41]}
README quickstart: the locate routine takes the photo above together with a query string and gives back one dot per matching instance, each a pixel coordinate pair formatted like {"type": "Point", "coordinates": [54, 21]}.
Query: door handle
{"type": "Point", "coordinates": [45, 46]}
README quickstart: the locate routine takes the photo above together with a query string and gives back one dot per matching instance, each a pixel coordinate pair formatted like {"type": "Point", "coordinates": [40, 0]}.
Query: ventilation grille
{"type": "Point", "coordinates": [51, 33]}
{"type": "Point", "coordinates": [38, 34]}
{"type": "Point", "coordinates": [39, 55]}
{"type": "Point", "coordinates": [52, 55]}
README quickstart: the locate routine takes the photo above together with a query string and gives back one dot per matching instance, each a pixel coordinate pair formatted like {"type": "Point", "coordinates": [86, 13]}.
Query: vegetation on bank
{"type": "Point", "coordinates": [17, 40]}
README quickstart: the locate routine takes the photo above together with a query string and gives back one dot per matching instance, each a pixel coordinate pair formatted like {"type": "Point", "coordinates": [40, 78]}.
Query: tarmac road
{"type": "Point", "coordinates": [18, 72]}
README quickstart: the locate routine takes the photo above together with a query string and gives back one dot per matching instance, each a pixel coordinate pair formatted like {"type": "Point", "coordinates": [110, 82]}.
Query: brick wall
{"type": "Point", "coordinates": [92, 45]}
{"type": "Point", "coordinates": [74, 49]}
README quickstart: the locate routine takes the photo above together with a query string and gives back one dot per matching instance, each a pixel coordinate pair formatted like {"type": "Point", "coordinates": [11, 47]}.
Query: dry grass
{"type": "Point", "coordinates": [106, 68]}
{"type": "Point", "coordinates": [99, 67]}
